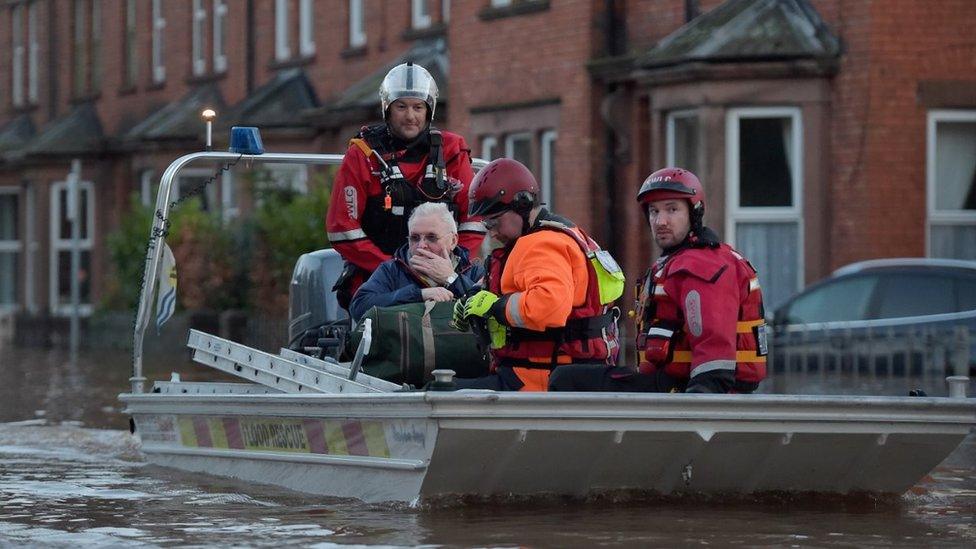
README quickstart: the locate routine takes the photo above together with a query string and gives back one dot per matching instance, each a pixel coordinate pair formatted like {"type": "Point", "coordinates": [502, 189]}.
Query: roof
{"type": "Point", "coordinates": [904, 262]}
{"type": "Point", "coordinates": [77, 132]}
{"type": "Point", "coordinates": [747, 30]}
{"type": "Point", "coordinates": [179, 119]}
{"type": "Point", "coordinates": [362, 97]}
{"type": "Point", "coordinates": [15, 133]}
{"type": "Point", "coordinates": [278, 103]}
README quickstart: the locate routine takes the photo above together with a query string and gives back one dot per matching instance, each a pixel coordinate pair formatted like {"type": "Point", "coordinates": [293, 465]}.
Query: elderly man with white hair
{"type": "Point", "coordinates": [430, 266]}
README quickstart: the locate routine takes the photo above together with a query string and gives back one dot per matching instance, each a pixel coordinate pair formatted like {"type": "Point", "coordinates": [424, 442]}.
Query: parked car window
{"type": "Point", "coordinates": [915, 294]}
{"type": "Point", "coordinates": [966, 290]}
{"type": "Point", "coordinates": [843, 299]}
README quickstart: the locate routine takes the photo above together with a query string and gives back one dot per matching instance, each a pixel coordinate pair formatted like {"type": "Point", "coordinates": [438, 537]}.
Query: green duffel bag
{"type": "Point", "coordinates": [410, 341]}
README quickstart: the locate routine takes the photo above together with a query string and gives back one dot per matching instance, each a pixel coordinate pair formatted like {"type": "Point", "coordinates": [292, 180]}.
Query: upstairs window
{"type": "Point", "coordinates": [33, 52]}
{"type": "Point", "coordinates": [420, 14]}
{"type": "Point", "coordinates": [306, 28]}
{"type": "Point", "coordinates": [86, 42]}
{"type": "Point", "coordinates": [220, 35]}
{"type": "Point", "coordinates": [158, 42]}
{"type": "Point", "coordinates": [130, 63]}
{"type": "Point", "coordinates": [282, 31]}
{"type": "Point", "coordinates": [357, 24]}
{"type": "Point", "coordinates": [17, 55]}
{"type": "Point", "coordinates": [199, 45]}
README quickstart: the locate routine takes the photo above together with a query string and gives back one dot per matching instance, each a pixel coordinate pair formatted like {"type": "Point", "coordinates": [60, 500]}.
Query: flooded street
{"type": "Point", "coordinates": [70, 474]}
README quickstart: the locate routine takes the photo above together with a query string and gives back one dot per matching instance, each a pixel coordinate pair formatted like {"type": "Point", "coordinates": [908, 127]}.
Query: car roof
{"type": "Point", "coordinates": [894, 262]}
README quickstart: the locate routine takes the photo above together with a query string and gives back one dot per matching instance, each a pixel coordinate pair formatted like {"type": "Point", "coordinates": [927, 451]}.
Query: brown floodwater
{"type": "Point", "coordinates": [70, 474]}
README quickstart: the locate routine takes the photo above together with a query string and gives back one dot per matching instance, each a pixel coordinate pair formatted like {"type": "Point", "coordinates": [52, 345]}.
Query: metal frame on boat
{"type": "Point", "coordinates": [302, 423]}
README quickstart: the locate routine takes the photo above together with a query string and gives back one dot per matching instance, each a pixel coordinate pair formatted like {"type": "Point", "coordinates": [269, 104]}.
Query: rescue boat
{"type": "Point", "coordinates": [321, 426]}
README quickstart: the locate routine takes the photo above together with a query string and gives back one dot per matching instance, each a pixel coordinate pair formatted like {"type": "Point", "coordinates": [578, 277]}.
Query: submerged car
{"type": "Point", "coordinates": [898, 316]}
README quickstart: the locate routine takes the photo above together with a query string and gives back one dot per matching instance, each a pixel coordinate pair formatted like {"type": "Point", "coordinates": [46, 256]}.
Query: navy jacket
{"type": "Point", "coordinates": [393, 283]}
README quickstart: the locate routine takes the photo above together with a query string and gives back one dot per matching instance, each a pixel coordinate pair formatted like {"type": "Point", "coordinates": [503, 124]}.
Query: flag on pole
{"type": "Point", "coordinates": [166, 297]}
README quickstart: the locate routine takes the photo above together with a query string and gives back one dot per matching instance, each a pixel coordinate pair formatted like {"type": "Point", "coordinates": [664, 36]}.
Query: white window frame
{"type": "Point", "coordinates": [418, 18]}
{"type": "Point", "coordinates": [669, 135]}
{"type": "Point", "coordinates": [146, 196]}
{"type": "Point", "coordinates": [17, 55]}
{"type": "Point", "coordinates": [130, 68]}
{"type": "Point", "coordinates": [488, 142]}
{"type": "Point", "coordinates": [199, 37]}
{"type": "Point", "coordinates": [33, 52]}
{"type": "Point", "coordinates": [547, 142]}
{"type": "Point", "coordinates": [510, 143]}
{"type": "Point", "coordinates": [15, 246]}
{"type": "Point", "coordinates": [794, 213]}
{"type": "Point", "coordinates": [306, 28]}
{"type": "Point", "coordinates": [445, 11]}
{"type": "Point", "coordinates": [220, 35]}
{"type": "Point", "coordinates": [158, 43]}
{"type": "Point", "coordinates": [64, 244]}
{"type": "Point", "coordinates": [282, 31]}
{"type": "Point", "coordinates": [500, 3]}
{"type": "Point", "coordinates": [936, 216]}
{"type": "Point", "coordinates": [357, 24]}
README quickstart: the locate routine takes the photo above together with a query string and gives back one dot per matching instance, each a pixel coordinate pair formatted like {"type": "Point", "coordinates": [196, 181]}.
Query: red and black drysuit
{"type": "Point", "coordinates": [372, 200]}
{"type": "Point", "coordinates": [700, 326]}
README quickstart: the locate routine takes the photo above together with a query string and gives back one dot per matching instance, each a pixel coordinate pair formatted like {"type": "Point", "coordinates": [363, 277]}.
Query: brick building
{"type": "Point", "coordinates": [825, 131]}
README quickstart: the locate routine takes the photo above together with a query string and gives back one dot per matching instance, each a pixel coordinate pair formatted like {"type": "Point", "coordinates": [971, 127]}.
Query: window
{"type": "Point", "coordinates": [130, 65]}
{"type": "Point", "coordinates": [683, 141]}
{"type": "Point", "coordinates": [518, 146]}
{"type": "Point", "coordinates": [147, 188]}
{"type": "Point", "coordinates": [420, 14]}
{"type": "Point", "coordinates": [33, 52]}
{"type": "Point", "coordinates": [61, 225]}
{"type": "Point", "coordinates": [500, 3]}
{"type": "Point", "coordinates": [158, 43]}
{"type": "Point", "coordinates": [306, 28]}
{"type": "Point", "coordinates": [357, 24]}
{"type": "Point", "coordinates": [17, 55]}
{"type": "Point", "coordinates": [189, 182]}
{"type": "Point", "coordinates": [915, 294]}
{"type": "Point", "coordinates": [765, 165]}
{"type": "Point", "coordinates": [220, 36]}
{"type": "Point", "coordinates": [489, 148]}
{"type": "Point", "coordinates": [10, 247]}
{"type": "Point", "coordinates": [199, 34]}
{"type": "Point", "coordinates": [951, 183]}
{"type": "Point", "coordinates": [445, 10]}
{"type": "Point", "coordinates": [842, 300]}
{"type": "Point", "coordinates": [548, 167]}
{"type": "Point", "coordinates": [282, 27]}
{"type": "Point", "coordinates": [86, 41]}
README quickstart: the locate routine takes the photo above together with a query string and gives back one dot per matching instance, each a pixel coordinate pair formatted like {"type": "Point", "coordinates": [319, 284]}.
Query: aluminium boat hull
{"type": "Point", "coordinates": [405, 447]}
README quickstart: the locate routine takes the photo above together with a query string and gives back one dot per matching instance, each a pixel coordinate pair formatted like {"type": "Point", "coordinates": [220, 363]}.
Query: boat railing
{"type": "Point", "coordinates": [160, 220]}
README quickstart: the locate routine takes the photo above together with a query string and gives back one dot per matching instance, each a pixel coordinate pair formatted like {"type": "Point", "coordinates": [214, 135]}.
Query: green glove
{"type": "Point", "coordinates": [458, 321]}
{"type": "Point", "coordinates": [479, 304]}
{"type": "Point", "coordinates": [497, 331]}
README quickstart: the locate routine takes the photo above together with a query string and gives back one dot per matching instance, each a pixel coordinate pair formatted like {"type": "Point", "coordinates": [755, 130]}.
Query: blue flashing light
{"type": "Point", "coordinates": [246, 140]}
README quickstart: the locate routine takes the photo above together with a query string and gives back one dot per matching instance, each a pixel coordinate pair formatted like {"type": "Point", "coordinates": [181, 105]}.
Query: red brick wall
{"type": "Point", "coordinates": [529, 57]}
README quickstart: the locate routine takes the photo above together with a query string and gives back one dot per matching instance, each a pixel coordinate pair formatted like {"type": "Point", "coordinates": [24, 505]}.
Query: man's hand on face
{"type": "Point", "coordinates": [437, 294]}
{"type": "Point", "coordinates": [430, 264]}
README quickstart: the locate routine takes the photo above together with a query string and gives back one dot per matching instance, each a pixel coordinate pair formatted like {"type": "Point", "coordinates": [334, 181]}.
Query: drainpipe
{"type": "Point", "coordinates": [612, 35]}
{"type": "Point", "coordinates": [52, 61]}
{"type": "Point", "coordinates": [249, 49]}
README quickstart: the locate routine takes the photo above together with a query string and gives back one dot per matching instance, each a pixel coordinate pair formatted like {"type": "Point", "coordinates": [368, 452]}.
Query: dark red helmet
{"type": "Point", "coordinates": [669, 183]}
{"type": "Point", "coordinates": [504, 184]}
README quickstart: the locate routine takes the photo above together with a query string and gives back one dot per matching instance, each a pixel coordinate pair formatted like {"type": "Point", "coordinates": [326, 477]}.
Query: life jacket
{"type": "Point", "coordinates": [590, 333]}
{"type": "Point", "coordinates": [385, 217]}
{"type": "Point", "coordinates": [660, 317]}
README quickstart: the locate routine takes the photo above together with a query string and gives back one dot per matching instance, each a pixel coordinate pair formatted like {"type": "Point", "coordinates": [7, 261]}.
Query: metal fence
{"type": "Point", "coordinates": [893, 359]}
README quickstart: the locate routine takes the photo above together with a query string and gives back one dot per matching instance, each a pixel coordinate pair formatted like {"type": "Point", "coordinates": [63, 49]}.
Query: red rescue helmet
{"type": "Point", "coordinates": [670, 183]}
{"type": "Point", "coordinates": [504, 184]}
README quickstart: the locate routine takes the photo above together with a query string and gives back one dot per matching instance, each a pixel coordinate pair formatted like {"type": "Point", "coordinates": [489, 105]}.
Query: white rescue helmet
{"type": "Point", "coordinates": [408, 80]}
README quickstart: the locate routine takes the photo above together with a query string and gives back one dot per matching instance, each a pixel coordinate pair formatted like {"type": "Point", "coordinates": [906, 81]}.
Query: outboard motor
{"type": "Point", "coordinates": [317, 325]}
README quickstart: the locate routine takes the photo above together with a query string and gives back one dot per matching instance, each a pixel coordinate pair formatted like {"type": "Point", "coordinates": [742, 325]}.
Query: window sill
{"type": "Point", "coordinates": [85, 98]}
{"type": "Point", "coordinates": [127, 90]}
{"type": "Point", "coordinates": [153, 86]}
{"type": "Point", "coordinates": [351, 52]}
{"type": "Point", "coordinates": [518, 7]}
{"type": "Point", "coordinates": [204, 78]}
{"type": "Point", "coordinates": [293, 62]}
{"type": "Point", "coordinates": [433, 31]}
{"type": "Point", "coordinates": [25, 108]}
